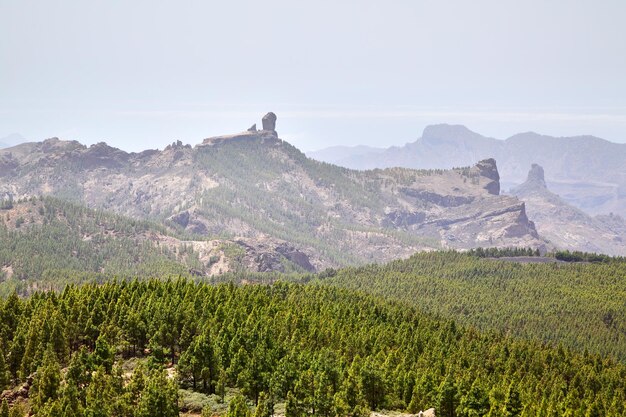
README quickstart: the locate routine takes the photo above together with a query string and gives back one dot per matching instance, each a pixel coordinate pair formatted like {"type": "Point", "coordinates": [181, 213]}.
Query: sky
{"type": "Point", "coordinates": [141, 74]}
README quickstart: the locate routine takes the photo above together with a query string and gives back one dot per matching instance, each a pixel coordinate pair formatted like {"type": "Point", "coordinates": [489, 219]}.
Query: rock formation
{"type": "Point", "coordinates": [269, 122]}
{"type": "Point", "coordinates": [566, 226]}
{"type": "Point", "coordinates": [489, 169]}
{"type": "Point", "coordinates": [536, 176]}
{"type": "Point", "coordinates": [252, 128]}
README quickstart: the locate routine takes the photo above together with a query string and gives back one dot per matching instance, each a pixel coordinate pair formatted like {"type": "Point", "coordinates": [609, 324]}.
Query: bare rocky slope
{"type": "Point", "coordinates": [586, 171]}
{"type": "Point", "coordinates": [259, 191]}
{"type": "Point", "coordinates": [566, 226]}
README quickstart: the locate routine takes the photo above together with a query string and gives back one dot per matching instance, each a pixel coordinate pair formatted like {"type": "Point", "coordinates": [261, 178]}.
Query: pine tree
{"type": "Point", "coordinates": [475, 403]}
{"type": "Point", "coordinates": [238, 407]}
{"type": "Point", "coordinates": [47, 382]}
{"type": "Point", "coordinates": [264, 408]}
{"type": "Point", "coordinates": [292, 408]}
{"type": "Point", "coordinates": [323, 395]}
{"type": "Point", "coordinates": [103, 355]}
{"type": "Point", "coordinates": [5, 376]}
{"type": "Point", "coordinates": [447, 397]}
{"type": "Point", "coordinates": [221, 385]}
{"type": "Point", "coordinates": [159, 398]}
{"type": "Point", "coordinates": [512, 402]}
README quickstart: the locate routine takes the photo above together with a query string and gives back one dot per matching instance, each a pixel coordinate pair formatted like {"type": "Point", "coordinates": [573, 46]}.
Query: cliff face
{"type": "Point", "coordinates": [255, 187]}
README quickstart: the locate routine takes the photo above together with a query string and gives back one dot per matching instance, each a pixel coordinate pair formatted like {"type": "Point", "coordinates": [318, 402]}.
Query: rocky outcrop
{"type": "Point", "coordinates": [296, 256]}
{"type": "Point", "coordinates": [181, 219]}
{"type": "Point", "coordinates": [269, 122]}
{"type": "Point", "coordinates": [438, 199]}
{"type": "Point", "coordinates": [265, 255]}
{"type": "Point", "coordinates": [488, 169]}
{"type": "Point", "coordinates": [565, 226]}
{"type": "Point", "coordinates": [536, 176]}
{"type": "Point", "coordinates": [401, 219]}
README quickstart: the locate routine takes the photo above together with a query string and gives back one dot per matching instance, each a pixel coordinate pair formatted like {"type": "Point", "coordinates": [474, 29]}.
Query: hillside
{"type": "Point", "coordinates": [578, 305]}
{"type": "Point", "coordinates": [568, 227]}
{"type": "Point", "coordinates": [256, 186]}
{"type": "Point", "coordinates": [48, 243]}
{"type": "Point", "coordinates": [588, 172]}
{"type": "Point", "coordinates": [320, 350]}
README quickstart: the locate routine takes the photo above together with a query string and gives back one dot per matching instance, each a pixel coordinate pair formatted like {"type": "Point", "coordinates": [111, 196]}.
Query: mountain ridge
{"type": "Point", "coordinates": [587, 171]}
{"type": "Point", "coordinates": [254, 185]}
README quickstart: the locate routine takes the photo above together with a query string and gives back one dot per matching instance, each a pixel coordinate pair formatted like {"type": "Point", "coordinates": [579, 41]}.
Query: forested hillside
{"type": "Point", "coordinates": [104, 350]}
{"type": "Point", "coordinates": [48, 243]}
{"type": "Point", "coordinates": [580, 305]}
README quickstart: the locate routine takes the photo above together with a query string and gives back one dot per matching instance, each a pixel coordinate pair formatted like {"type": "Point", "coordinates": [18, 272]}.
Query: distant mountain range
{"type": "Point", "coordinates": [11, 140]}
{"type": "Point", "coordinates": [586, 171]}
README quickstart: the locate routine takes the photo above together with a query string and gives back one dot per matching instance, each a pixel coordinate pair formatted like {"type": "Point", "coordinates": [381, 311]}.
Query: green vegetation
{"type": "Point", "coordinates": [262, 186]}
{"type": "Point", "coordinates": [577, 256]}
{"type": "Point", "coordinates": [579, 305]}
{"type": "Point", "coordinates": [52, 243]}
{"type": "Point", "coordinates": [323, 351]}
{"type": "Point", "coordinates": [503, 252]}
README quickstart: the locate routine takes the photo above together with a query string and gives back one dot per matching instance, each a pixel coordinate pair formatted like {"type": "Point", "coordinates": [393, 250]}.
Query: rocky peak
{"type": "Point", "coordinates": [55, 144]}
{"type": "Point", "coordinates": [536, 176]}
{"type": "Point", "coordinates": [535, 184]}
{"type": "Point", "coordinates": [487, 168]}
{"type": "Point", "coordinates": [269, 122]}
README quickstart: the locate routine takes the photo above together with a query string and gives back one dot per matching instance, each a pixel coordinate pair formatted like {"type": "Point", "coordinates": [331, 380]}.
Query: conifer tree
{"type": "Point", "coordinates": [221, 385]}
{"type": "Point", "coordinates": [512, 404]}
{"type": "Point", "coordinates": [238, 407]}
{"type": "Point", "coordinates": [5, 376]}
{"type": "Point", "coordinates": [264, 408]}
{"type": "Point", "coordinates": [159, 398]}
{"type": "Point", "coordinates": [447, 397]}
{"type": "Point", "coordinates": [292, 408]}
{"type": "Point", "coordinates": [47, 382]}
{"type": "Point", "coordinates": [475, 403]}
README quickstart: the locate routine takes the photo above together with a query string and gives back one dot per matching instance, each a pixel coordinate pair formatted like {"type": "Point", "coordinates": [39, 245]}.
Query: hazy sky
{"type": "Point", "coordinates": [140, 74]}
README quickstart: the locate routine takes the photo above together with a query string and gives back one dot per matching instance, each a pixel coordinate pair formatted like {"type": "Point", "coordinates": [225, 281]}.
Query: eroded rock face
{"type": "Point", "coordinates": [269, 122]}
{"type": "Point", "coordinates": [489, 169]}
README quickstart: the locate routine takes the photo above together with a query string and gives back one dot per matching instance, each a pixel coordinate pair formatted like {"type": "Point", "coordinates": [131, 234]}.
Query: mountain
{"type": "Point", "coordinates": [11, 140]}
{"type": "Point", "coordinates": [255, 187]}
{"type": "Point", "coordinates": [568, 227]}
{"type": "Point", "coordinates": [586, 171]}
